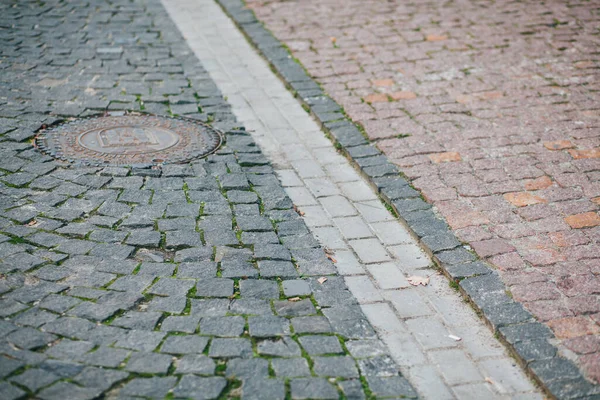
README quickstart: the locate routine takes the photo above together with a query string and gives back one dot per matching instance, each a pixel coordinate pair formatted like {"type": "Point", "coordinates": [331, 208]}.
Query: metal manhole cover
{"type": "Point", "coordinates": [131, 139]}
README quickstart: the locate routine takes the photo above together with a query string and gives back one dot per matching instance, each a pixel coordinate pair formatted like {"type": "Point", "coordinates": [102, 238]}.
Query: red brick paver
{"type": "Point", "coordinates": [491, 109]}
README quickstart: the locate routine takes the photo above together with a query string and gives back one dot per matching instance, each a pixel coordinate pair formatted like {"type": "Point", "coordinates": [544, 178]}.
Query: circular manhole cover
{"type": "Point", "coordinates": [131, 139]}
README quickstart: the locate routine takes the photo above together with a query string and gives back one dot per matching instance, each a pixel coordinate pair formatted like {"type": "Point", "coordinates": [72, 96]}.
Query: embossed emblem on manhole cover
{"type": "Point", "coordinates": [131, 139]}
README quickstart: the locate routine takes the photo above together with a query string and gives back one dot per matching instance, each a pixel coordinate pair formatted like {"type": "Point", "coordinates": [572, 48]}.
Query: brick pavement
{"type": "Point", "coordinates": [441, 345]}
{"type": "Point", "coordinates": [490, 110]}
{"type": "Point", "coordinates": [194, 280]}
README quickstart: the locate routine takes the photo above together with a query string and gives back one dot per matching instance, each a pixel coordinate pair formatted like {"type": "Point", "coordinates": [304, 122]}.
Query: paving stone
{"type": "Point", "coordinates": [214, 287]}
{"type": "Point", "coordinates": [535, 350]}
{"type": "Point", "coordinates": [172, 304]}
{"type": "Point", "coordinates": [180, 324]}
{"type": "Point", "coordinates": [290, 367]}
{"type": "Point", "coordinates": [138, 320]}
{"type": "Point", "coordinates": [272, 252]}
{"type": "Point", "coordinates": [319, 344]}
{"type": "Point", "coordinates": [555, 368]}
{"type": "Point", "coordinates": [144, 238]}
{"type": "Point", "coordinates": [106, 357]}
{"type": "Point", "coordinates": [29, 338]}
{"type": "Point", "coordinates": [149, 363]}
{"type": "Point", "coordinates": [196, 387]}
{"type": "Point", "coordinates": [173, 224]}
{"type": "Point", "coordinates": [34, 379]}
{"type": "Point", "coordinates": [268, 326]}
{"type": "Point", "coordinates": [69, 349]}
{"type": "Point", "coordinates": [239, 196]}
{"type": "Point", "coordinates": [193, 254]}
{"type": "Point", "coordinates": [196, 364]}
{"type": "Point", "coordinates": [409, 303]}
{"type": "Point", "coordinates": [254, 223]}
{"type": "Point", "coordinates": [250, 307]}
{"type": "Point", "coordinates": [154, 269]}
{"type": "Point", "coordinates": [171, 287]}
{"type": "Point", "coordinates": [209, 307]}
{"type": "Point", "coordinates": [182, 239]}
{"type": "Point", "coordinates": [263, 388]}
{"type": "Point", "coordinates": [283, 347]}
{"type": "Point", "coordinates": [365, 348]}
{"type": "Point", "coordinates": [184, 344]}
{"type": "Point", "coordinates": [353, 389]}
{"type": "Point", "coordinates": [507, 374]}
{"type": "Point", "coordinates": [222, 326]}
{"type": "Point", "coordinates": [230, 348]}
{"type": "Point", "coordinates": [99, 378]}
{"type": "Point", "coordinates": [296, 287]}
{"type": "Point", "coordinates": [132, 283]}
{"type": "Point", "coordinates": [335, 366]}
{"type": "Point", "coordinates": [312, 388]}
{"type": "Point", "coordinates": [58, 390]}
{"type": "Point", "coordinates": [252, 288]}
{"type": "Point", "coordinates": [394, 386]}
{"type": "Point", "coordinates": [380, 366]}
{"type": "Point", "coordinates": [238, 269]}
{"type": "Point", "coordinates": [206, 269]}
{"type": "Point", "coordinates": [34, 317]}
{"type": "Point", "coordinates": [64, 369]}
{"type": "Point", "coordinates": [9, 365]}
{"type": "Point", "coordinates": [430, 333]}
{"type": "Point", "coordinates": [370, 250]}
{"type": "Point", "coordinates": [70, 327]}
{"type": "Point", "coordinates": [254, 368]}
{"type": "Point", "coordinates": [294, 308]}
{"type": "Point", "coordinates": [154, 387]}
{"type": "Point", "coordinates": [525, 332]}
{"type": "Point", "coordinates": [456, 367]}
{"type": "Point", "coordinates": [140, 340]}
{"type": "Point", "coordinates": [182, 210]}
{"type": "Point", "coordinates": [311, 325]}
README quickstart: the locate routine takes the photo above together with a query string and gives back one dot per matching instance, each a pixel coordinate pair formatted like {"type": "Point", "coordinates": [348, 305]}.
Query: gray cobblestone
{"type": "Point", "coordinates": [283, 347]}
{"type": "Point", "coordinates": [254, 368]}
{"type": "Point", "coordinates": [196, 364]}
{"type": "Point", "coordinates": [214, 287]}
{"type": "Point", "coordinates": [184, 344]}
{"type": "Point", "coordinates": [229, 348]}
{"type": "Point", "coordinates": [335, 366]}
{"type": "Point", "coordinates": [222, 326]}
{"type": "Point", "coordinates": [259, 289]}
{"type": "Point", "coordinates": [312, 388]}
{"type": "Point", "coordinates": [268, 326]}
{"type": "Point", "coordinates": [149, 363]}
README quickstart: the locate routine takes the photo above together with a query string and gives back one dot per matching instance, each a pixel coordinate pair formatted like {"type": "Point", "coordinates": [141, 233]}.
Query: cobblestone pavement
{"type": "Point", "coordinates": [197, 280]}
{"type": "Point", "coordinates": [420, 325]}
{"type": "Point", "coordinates": [490, 109]}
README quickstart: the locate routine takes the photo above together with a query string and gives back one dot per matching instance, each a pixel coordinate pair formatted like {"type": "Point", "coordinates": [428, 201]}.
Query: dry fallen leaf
{"type": "Point", "coordinates": [329, 254]}
{"type": "Point", "coordinates": [300, 213]}
{"type": "Point", "coordinates": [322, 280]}
{"type": "Point", "coordinates": [295, 299]}
{"type": "Point", "coordinates": [31, 223]}
{"type": "Point", "coordinates": [418, 280]}
{"type": "Point", "coordinates": [458, 339]}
